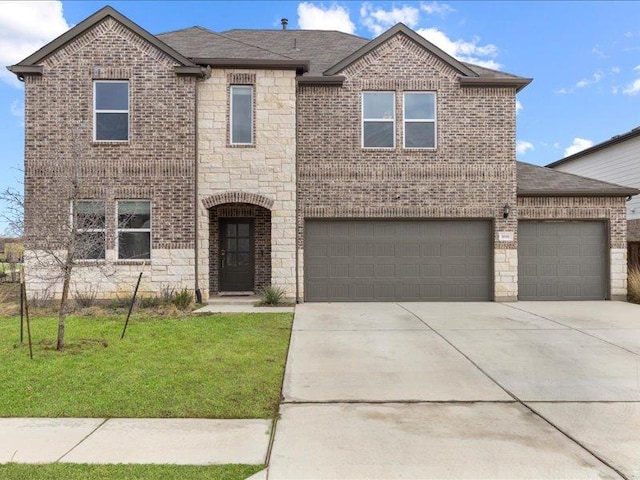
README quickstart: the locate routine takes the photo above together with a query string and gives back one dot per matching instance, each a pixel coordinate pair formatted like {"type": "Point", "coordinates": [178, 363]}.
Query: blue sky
{"type": "Point", "coordinates": [584, 57]}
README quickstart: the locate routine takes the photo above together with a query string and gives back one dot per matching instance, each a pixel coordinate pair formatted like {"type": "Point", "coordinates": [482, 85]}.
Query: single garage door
{"type": "Point", "coordinates": [562, 260]}
{"type": "Point", "coordinates": [392, 260]}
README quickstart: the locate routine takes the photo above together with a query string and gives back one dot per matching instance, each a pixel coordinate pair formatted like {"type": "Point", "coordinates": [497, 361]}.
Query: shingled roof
{"type": "Point", "coordinates": [535, 181]}
{"type": "Point", "coordinates": [322, 49]}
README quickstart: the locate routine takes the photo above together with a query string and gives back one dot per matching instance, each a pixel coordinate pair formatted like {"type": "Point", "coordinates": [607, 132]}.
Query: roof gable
{"type": "Point", "coordinates": [27, 65]}
{"type": "Point", "coordinates": [392, 32]}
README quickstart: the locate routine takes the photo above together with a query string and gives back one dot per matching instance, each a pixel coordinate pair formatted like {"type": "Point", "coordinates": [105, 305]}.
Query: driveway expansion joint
{"type": "Point", "coordinates": [575, 329]}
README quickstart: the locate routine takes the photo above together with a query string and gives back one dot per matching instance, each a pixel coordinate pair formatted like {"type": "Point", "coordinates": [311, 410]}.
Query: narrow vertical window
{"type": "Point", "coordinates": [89, 220]}
{"type": "Point", "coordinates": [378, 119]}
{"type": "Point", "coordinates": [420, 120]}
{"type": "Point", "coordinates": [241, 117]}
{"type": "Point", "coordinates": [111, 111]}
{"type": "Point", "coordinates": [134, 229]}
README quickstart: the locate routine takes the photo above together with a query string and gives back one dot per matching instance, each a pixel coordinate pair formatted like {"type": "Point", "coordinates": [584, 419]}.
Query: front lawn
{"type": "Point", "coordinates": [71, 471]}
{"type": "Point", "coordinates": [215, 366]}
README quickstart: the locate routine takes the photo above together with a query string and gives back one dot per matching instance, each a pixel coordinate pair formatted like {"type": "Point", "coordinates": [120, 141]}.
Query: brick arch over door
{"type": "Point", "coordinates": [238, 197]}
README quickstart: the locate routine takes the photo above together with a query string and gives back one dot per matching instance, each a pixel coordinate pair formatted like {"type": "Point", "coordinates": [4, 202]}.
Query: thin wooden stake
{"type": "Point", "coordinates": [133, 300]}
{"type": "Point", "coordinates": [21, 312]}
{"type": "Point", "coordinates": [26, 312]}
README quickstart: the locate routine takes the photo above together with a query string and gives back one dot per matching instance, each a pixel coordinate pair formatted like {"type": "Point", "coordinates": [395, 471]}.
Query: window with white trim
{"type": "Point", "coordinates": [241, 115]}
{"type": "Point", "coordinates": [378, 119]}
{"type": "Point", "coordinates": [419, 120]}
{"type": "Point", "coordinates": [111, 110]}
{"type": "Point", "coordinates": [89, 220]}
{"type": "Point", "coordinates": [134, 229]}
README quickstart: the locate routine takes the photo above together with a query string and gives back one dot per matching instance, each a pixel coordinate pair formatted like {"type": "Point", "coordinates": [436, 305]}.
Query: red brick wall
{"type": "Point", "coordinates": [472, 173]}
{"type": "Point", "coordinates": [156, 163]}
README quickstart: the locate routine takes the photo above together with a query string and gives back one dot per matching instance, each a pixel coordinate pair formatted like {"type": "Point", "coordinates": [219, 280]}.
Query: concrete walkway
{"type": "Point", "coordinates": [240, 304]}
{"type": "Point", "coordinates": [146, 441]}
{"type": "Point", "coordinates": [545, 390]}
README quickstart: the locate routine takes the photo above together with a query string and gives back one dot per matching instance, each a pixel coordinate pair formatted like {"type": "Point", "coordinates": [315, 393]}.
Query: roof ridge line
{"type": "Point", "coordinates": [253, 45]}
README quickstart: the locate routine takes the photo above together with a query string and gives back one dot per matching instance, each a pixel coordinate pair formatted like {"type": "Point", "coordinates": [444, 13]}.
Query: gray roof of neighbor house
{"type": "Point", "coordinates": [607, 143]}
{"type": "Point", "coordinates": [535, 181]}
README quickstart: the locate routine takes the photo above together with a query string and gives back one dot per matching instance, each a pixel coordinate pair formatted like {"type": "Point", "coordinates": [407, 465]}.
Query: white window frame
{"type": "Point", "coordinates": [96, 111]}
{"type": "Point", "coordinates": [91, 230]}
{"type": "Point", "coordinates": [133, 230]}
{"type": "Point", "coordinates": [433, 120]}
{"type": "Point", "coordinates": [380, 120]}
{"type": "Point", "coordinates": [251, 89]}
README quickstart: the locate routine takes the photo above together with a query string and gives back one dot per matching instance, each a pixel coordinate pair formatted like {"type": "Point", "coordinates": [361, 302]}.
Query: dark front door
{"type": "Point", "coordinates": [236, 255]}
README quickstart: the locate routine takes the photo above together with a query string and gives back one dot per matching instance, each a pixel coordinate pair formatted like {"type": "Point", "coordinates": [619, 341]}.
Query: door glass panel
{"type": "Point", "coordinates": [243, 230]}
{"type": "Point", "coordinates": [231, 229]}
{"type": "Point", "coordinates": [243, 259]}
{"type": "Point", "coordinates": [231, 244]}
{"type": "Point", "coordinates": [243, 245]}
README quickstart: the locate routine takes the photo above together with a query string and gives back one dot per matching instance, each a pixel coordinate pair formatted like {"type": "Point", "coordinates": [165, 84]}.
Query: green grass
{"type": "Point", "coordinates": [217, 366]}
{"type": "Point", "coordinates": [72, 471]}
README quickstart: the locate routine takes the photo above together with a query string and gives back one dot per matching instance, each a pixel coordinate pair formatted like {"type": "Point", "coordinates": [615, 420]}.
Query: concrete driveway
{"type": "Point", "coordinates": [461, 390]}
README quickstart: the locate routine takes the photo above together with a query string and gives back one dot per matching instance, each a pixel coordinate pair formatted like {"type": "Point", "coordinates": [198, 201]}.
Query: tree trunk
{"type": "Point", "coordinates": [62, 313]}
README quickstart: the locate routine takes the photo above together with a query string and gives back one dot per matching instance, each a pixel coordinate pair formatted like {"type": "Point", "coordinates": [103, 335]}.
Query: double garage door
{"type": "Point", "coordinates": [394, 260]}
{"type": "Point", "coordinates": [429, 260]}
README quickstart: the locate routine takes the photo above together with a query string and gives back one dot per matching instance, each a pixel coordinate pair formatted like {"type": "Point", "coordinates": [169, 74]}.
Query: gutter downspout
{"type": "Point", "coordinates": [195, 199]}
{"type": "Point", "coordinates": [204, 75]}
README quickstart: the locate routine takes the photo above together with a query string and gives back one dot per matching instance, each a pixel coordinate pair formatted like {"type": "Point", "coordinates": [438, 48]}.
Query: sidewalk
{"type": "Point", "coordinates": [145, 441]}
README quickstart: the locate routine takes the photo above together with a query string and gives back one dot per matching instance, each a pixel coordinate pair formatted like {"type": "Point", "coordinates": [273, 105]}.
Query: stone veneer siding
{"type": "Point", "coordinates": [471, 173]}
{"type": "Point", "coordinates": [262, 174]}
{"type": "Point", "coordinates": [157, 163]}
{"type": "Point", "coordinates": [262, 244]}
{"type": "Point", "coordinates": [609, 209]}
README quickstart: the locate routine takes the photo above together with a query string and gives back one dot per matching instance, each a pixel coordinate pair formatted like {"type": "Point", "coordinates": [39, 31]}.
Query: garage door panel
{"type": "Point", "coordinates": [564, 260]}
{"type": "Point", "coordinates": [399, 260]}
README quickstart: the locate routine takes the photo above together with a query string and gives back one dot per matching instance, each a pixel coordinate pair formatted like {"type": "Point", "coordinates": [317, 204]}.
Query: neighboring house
{"type": "Point", "coordinates": [616, 160]}
{"type": "Point", "coordinates": [337, 167]}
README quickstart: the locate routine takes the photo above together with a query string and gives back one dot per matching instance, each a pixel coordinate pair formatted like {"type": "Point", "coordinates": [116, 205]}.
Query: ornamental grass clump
{"type": "Point", "coordinates": [271, 295]}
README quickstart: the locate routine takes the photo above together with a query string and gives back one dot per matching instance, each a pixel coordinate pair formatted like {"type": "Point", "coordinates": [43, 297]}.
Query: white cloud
{"type": "Point", "coordinates": [578, 145]}
{"type": "Point", "coordinates": [24, 28]}
{"type": "Point", "coordinates": [523, 147]}
{"type": "Point", "coordinates": [466, 51]}
{"type": "Point", "coordinates": [598, 52]}
{"type": "Point", "coordinates": [615, 69]}
{"type": "Point", "coordinates": [17, 110]}
{"type": "Point", "coordinates": [441, 9]}
{"type": "Point", "coordinates": [518, 106]}
{"type": "Point", "coordinates": [377, 20]}
{"type": "Point", "coordinates": [632, 88]}
{"type": "Point", "coordinates": [595, 78]}
{"type": "Point", "coordinates": [318, 17]}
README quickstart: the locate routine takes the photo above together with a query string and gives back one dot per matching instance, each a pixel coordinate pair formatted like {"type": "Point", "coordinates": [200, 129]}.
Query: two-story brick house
{"type": "Point", "coordinates": [337, 167]}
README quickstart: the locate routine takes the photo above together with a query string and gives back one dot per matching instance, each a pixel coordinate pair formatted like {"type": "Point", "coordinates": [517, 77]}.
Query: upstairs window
{"type": "Point", "coordinates": [89, 216]}
{"type": "Point", "coordinates": [378, 119]}
{"type": "Point", "coordinates": [134, 229]}
{"type": "Point", "coordinates": [241, 117]}
{"type": "Point", "coordinates": [420, 120]}
{"type": "Point", "coordinates": [111, 111]}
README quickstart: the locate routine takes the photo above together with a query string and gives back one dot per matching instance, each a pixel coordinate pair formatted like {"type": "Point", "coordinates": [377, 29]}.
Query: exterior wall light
{"type": "Point", "coordinates": [505, 211]}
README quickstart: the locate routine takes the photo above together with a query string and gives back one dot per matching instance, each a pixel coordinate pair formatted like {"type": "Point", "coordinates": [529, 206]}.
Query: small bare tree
{"type": "Point", "coordinates": [66, 236]}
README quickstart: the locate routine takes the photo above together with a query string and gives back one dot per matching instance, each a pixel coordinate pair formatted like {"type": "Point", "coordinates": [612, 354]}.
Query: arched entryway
{"type": "Point", "coordinates": [239, 247]}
